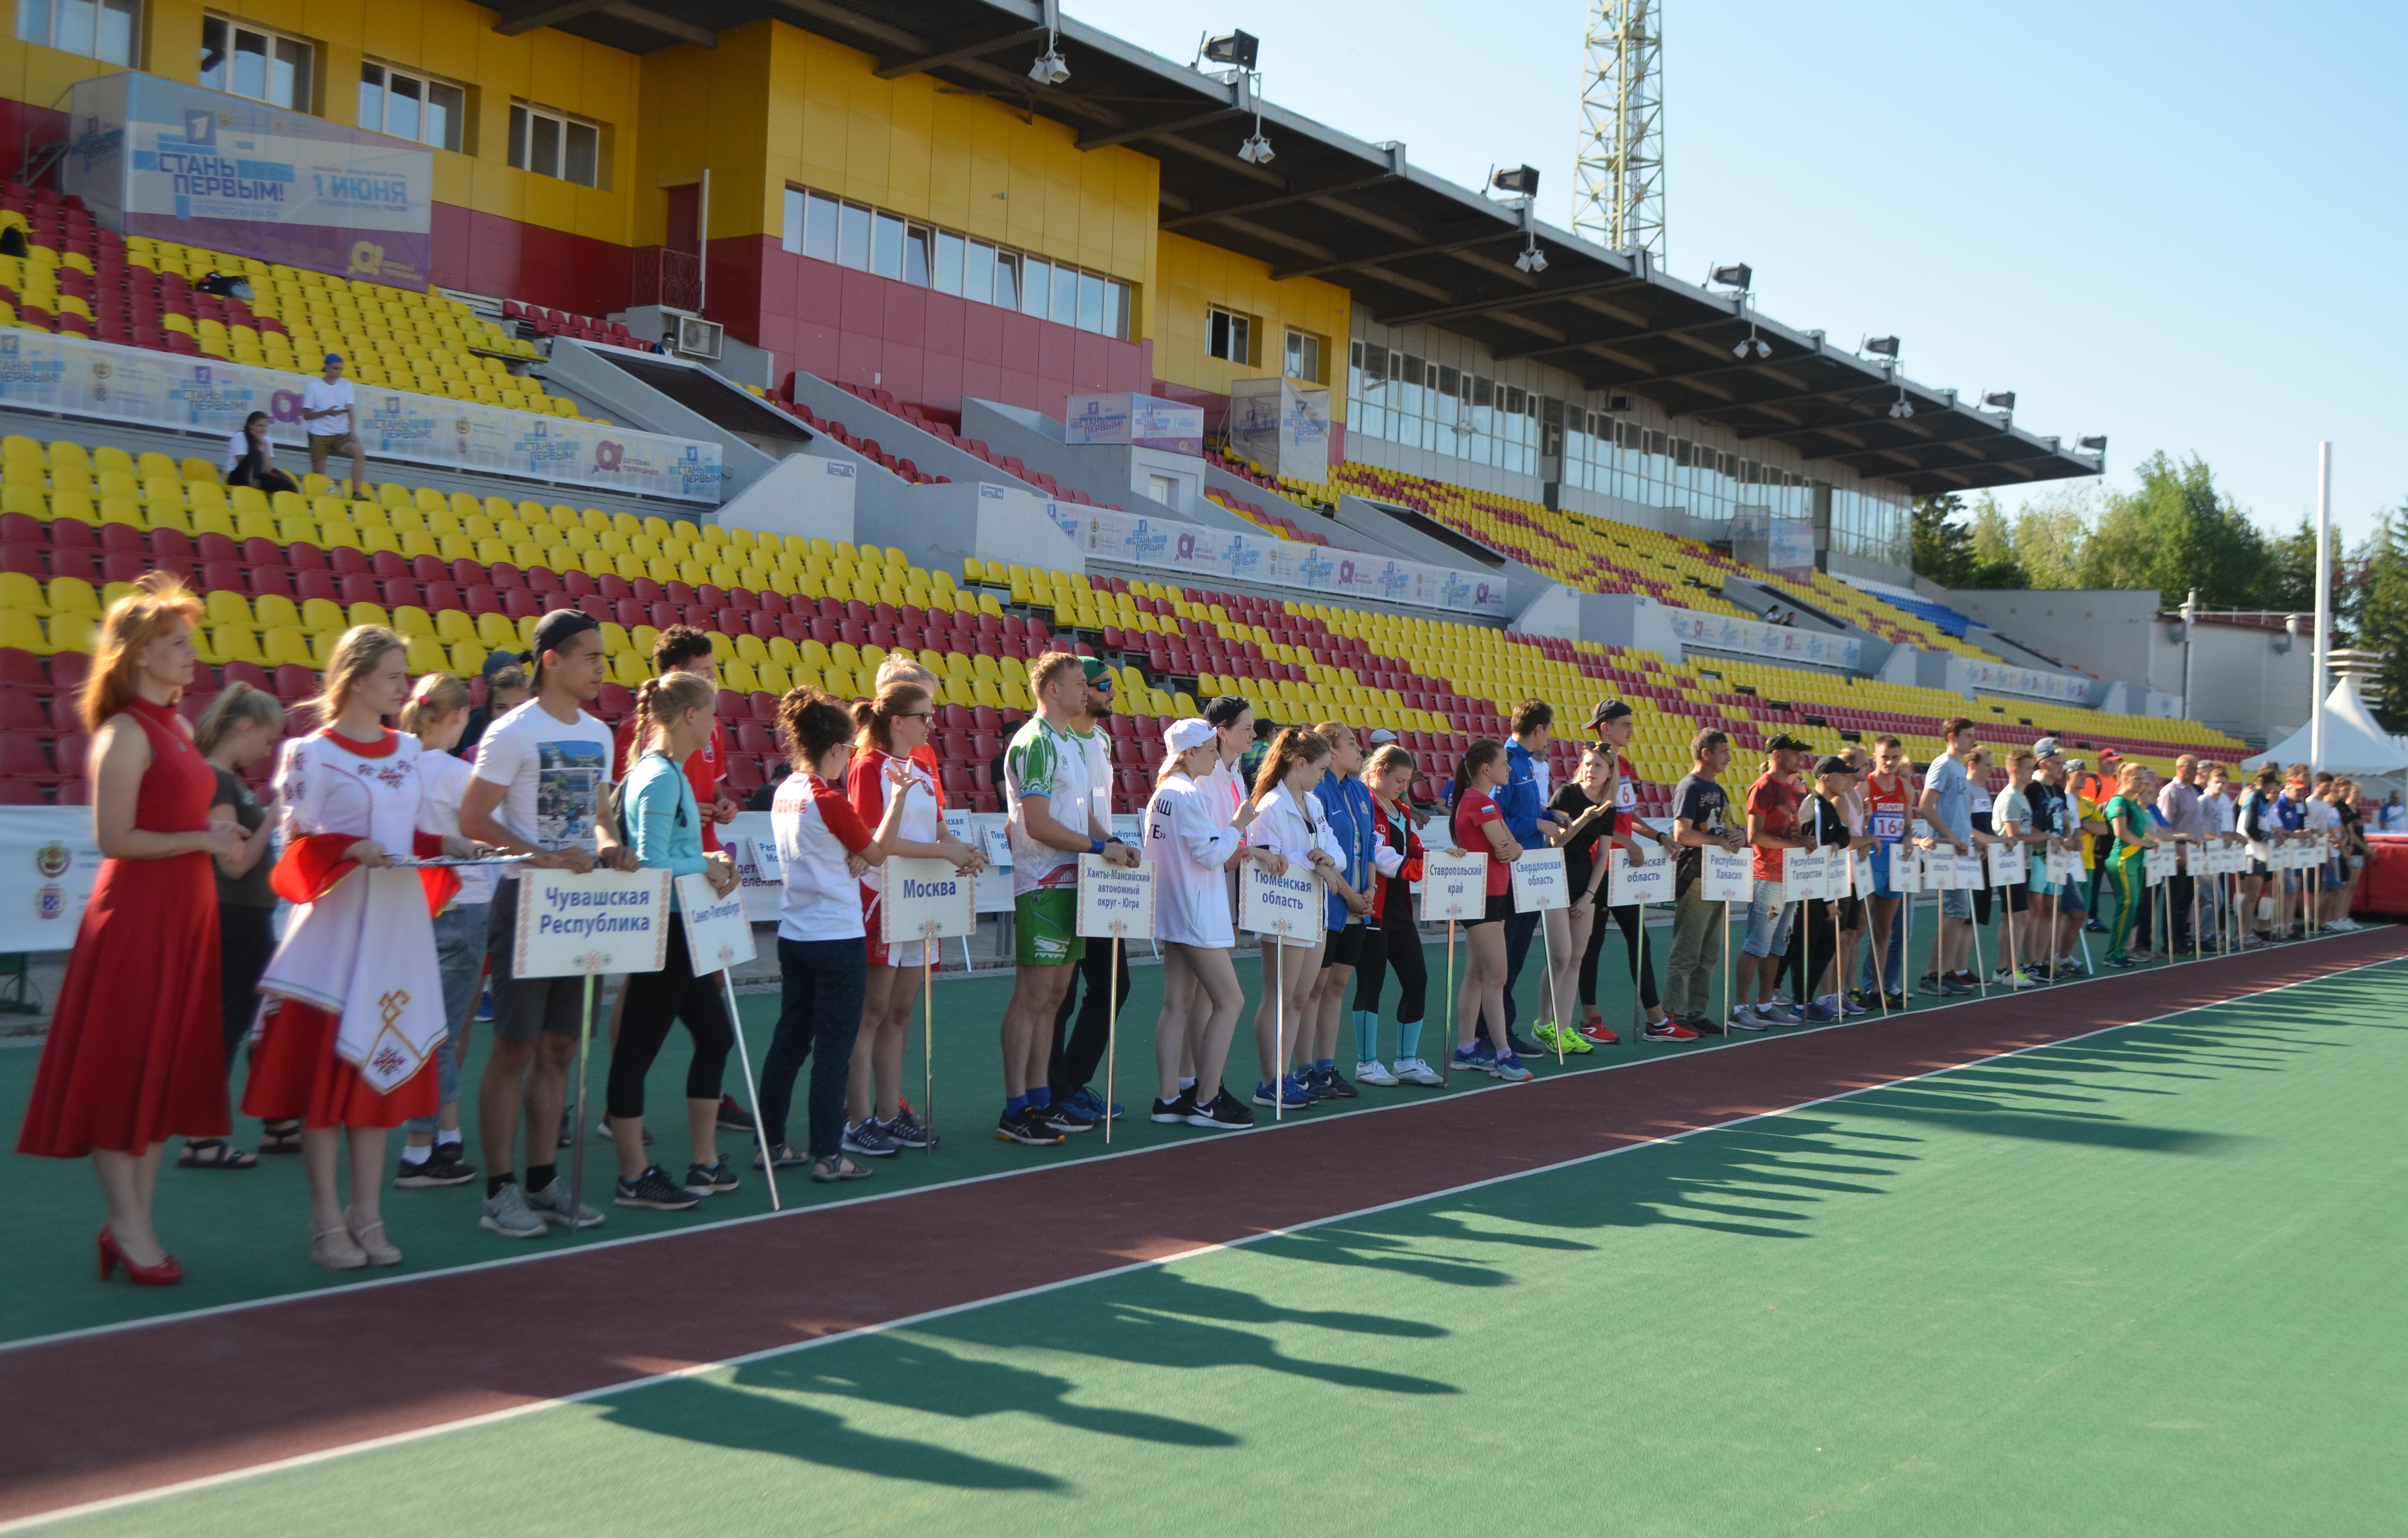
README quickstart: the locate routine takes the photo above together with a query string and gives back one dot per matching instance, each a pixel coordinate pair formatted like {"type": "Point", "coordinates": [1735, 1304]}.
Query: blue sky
{"type": "Point", "coordinates": [2171, 223]}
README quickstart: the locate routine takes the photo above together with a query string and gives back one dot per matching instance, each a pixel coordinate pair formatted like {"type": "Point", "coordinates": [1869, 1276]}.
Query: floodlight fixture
{"type": "Point", "coordinates": [1901, 407]}
{"type": "Point", "coordinates": [1738, 275]}
{"type": "Point", "coordinates": [1238, 49]}
{"type": "Point", "coordinates": [1257, 150]}
{"type": "Point", "coordinates": [1523, 181]}
{"type": "Point", "coordinates": [1049, 70]}
{"type": "Point", "coordinates": [1532, 260]}
{"type": "Point", "coordinates": [2093, 443]}
{"type": "Point", "coordinates": [1885, 347]}
{"type": "Point", "coordinates": [2000, 400]}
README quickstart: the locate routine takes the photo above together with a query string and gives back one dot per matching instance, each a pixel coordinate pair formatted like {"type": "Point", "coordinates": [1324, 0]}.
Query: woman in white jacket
{"type": "Point", "coordinates": [1289, 819]}
{"type": "Point", "coordinates": [1190, 844]}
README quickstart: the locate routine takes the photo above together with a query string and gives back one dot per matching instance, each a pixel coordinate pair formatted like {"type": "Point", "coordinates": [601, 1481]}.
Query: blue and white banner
{"type": "Point", "coordinates": [1755, 639]}
{"type": "Point", "coordinates": [1281, 427]}
{"type": "Point", "coordinates": [1144, 422]}
{"type": "Point", "coordinates": [178, 162]}
{"type": "Point", "coordinates": [2007, 679]}
{"type": "Point", "coordinates": [74, 376]}
{"type": "Point", "coordinates": [1168, 544]}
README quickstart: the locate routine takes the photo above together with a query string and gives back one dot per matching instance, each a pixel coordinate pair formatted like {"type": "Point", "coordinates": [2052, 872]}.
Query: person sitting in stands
{"type": "Point", "coordinates": [251, 458]}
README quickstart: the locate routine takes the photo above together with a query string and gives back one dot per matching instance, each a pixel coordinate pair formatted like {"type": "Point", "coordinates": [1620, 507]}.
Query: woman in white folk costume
{"type": "Point", "coordinates": [355, 1012]}
{"type": "Point", "coordinates": [1289, 819]}
{"type": "Point", "coordinates": [1189, 845]}
{"type": "Point", "coordinates": [893, 729]}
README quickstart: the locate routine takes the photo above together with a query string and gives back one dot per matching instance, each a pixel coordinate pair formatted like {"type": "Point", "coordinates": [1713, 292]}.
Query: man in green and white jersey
{"type": "Point", "coordinates": [1053, 819]}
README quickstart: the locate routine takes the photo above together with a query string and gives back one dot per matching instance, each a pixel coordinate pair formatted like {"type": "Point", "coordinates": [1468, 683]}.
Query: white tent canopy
{"type": "Point", "coordinates": [2353, 744]}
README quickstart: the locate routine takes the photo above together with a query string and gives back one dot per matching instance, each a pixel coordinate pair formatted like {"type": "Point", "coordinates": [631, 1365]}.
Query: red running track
{"type": "Point", "coordinates": [186, 1399]}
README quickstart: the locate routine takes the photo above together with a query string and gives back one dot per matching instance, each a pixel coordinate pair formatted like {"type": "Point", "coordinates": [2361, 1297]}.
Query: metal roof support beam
{"type": "Point", "coordinates": [1223, 160]}
{"type": "Point", "coordinates": [1104, 141]}
{"type": "Point", "coordinates": [668, 27]}
{"type": "Point", "coordinates": [1367, 258]}
{"type": "Point", "coordinates": [854, 21]}
{"type": "Point", "coordinates": [1410, 285]}
{"type": "Point", "coordinates": [1482, 306]}
{"type": "Point", "coordinates": [517, 23]}
{"type": "Point", "coordinates": [1626, 338]}
{"type": "Point", "coordinates": [1264, 205]}
{"type": "Point", "coordinates": [890, 69]}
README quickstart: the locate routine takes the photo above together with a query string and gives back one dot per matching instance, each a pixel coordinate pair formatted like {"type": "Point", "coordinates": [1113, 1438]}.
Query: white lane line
{"type": "Point", "coordinates": [587, 1247]}
{"type": "Point", "coordinates": [303, 1460]}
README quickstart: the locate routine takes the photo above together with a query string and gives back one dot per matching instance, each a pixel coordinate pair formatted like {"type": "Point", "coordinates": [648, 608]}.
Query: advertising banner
{"type": "Point", "coordinates": [1539, 884]}
{"type": "Point", "coordinates": [604, 921]}
{"type": "Point", "coordinates": [2007, 679]}
{"type": "Point", "coordinates": [1144, 422]}
{"type": "Point", "coordinates": [176, 161]}
{"type": "Point", "coordinates": [1172, 545]}
{"type": "Point", "coordinates": [1755, 639]}
{"type": "Point", "coordinates": [74, 376]}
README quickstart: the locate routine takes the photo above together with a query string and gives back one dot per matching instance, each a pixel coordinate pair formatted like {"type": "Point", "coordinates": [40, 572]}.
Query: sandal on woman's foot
{"type": "Point", "coordinates": [280, 1137]}
{"type": "Point", "coordinates": [335, 1250]}
{"type": "Point", "coordinates": [372, 1242]}
{"type": "Point", "coordinates": [213, 1154]}
{"type": "Point", "coordinates": [827, 1171]}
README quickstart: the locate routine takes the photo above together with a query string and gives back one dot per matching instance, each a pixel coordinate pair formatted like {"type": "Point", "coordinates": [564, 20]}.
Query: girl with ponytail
{"type": "Point", "coordinates": [673, 721]}
{"type": "Point", "coordinates": [1291, 821]}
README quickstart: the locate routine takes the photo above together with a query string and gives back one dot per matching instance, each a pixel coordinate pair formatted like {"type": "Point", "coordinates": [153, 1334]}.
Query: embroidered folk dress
{"type": "Point", "coordinates": [355, 994]}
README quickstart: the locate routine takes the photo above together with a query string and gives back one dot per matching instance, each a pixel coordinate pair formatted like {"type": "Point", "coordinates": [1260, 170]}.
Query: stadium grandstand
{"type": "Point", "coordinates": [850, 362]}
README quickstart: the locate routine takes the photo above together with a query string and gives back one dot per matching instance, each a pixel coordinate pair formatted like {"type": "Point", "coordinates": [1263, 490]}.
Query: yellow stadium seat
{"type": "Point", "coordinates": [21, 630]}
{"type": "Point", "coordinates": [282, 644]}
{"type": "Point", "coordinates": [73, 596]}
{"type": "Point", "coordinates": [226, 607]}
{"type": "Point", "coordinates": [368, 613]}
{"type": "Point", "coordinates": [496, 633]}
{"type": "Point", "coordinates": [237, 643]}
{"type": "Point", "coordinates": [614, 638]}
{"type": "Point", "coordinates": [629, 668]}
{"type": "Point", "coordinates": [411, 622]}
{"type": "Point", "coordinates": [455, 625]}
{"type": "Point", "coordinates": [426, 656]}
{"type": "Point", "coordinates": [22, 592]}
{"type": "Point", "coordinates": [467, 658]}
{"type": "Point", "coordinates": [322, 617]}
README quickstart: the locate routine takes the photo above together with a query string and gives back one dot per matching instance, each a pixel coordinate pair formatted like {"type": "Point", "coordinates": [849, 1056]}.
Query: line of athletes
{"type": "Point", "coordinates": [162, 988]}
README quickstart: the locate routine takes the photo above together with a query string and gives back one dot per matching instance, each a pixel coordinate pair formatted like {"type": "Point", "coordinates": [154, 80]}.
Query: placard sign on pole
{"type": "Point", "coordinates": [1838, 874]}
{"type": "Point", "coordinates": [1289, 906]}
{"type": "Point", "coordinates": [570, 926]}
{"type": "Point", "coordinates": [2154, 862]}
{"type": "Point", "coordinates": [1116, 901]}
{"type": "Point", "coordinates": [2007, 864]}
{"type": "Point", "coordinates": [1803, 873]}
{"type": "Point", "coordinates": [1539, 884]}
{"type": "Point", "coordinates": [925, 899]}
{"type": "Point", "coordinates": [1649, 880]}
{"type": "Point", "coordinates": [1905, 869]}
{"type": "Point", "coordinates": [1726, 875]}
{"type": "Point", "coordinates": [1454, 888]}
{"type": "Point", "coordinates": [718, 937]}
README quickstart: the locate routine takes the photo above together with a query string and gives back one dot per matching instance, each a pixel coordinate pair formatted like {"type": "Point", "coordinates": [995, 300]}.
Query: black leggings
{"type": "Point", "coordinates": [1627, 916]}
{"type": "Point", "coordinates": [246, 940]}
{"type": "Point", "coordinates": [653, 1001]}
{"type": "Point", "coordinates": [1394, 946]}
{"type": "Point", "coordinates": [1811, 946]}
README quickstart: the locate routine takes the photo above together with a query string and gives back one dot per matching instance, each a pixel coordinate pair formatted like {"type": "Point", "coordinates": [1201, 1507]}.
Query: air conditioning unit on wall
{"type": "Point", "coordinates": [697, 337]}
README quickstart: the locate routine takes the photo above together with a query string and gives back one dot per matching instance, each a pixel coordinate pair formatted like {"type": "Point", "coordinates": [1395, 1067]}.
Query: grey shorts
{"type": "Point", "coordinates": [1956, 902]}
{"type": "Point", "coordinates": [1767, 921]}
{"type": "Point", "coordinates": [523, 1010]}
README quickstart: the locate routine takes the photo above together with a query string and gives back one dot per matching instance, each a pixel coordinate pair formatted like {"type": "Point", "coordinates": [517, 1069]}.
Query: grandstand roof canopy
{"type": "Point", "coordinates": [1411, 248]}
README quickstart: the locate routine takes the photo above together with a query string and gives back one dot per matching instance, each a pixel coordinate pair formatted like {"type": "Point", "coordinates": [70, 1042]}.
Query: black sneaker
{"type": "Point", "coordinates": [440, 1168]}
{"type": "Point", "coordinates": [2094, 926]}
{"type": "Point", "coordinates": [1027, 1127]}
{"type": "Point", "coordinates": [710, 1179]}
{"type": "Point", "coordinates": [867, 1138]}
{"type": "Point", "coordinates": [1063, 1118]}
{"type": "Point", "coordinates": [1704, 1025]}
{"type": "Point", "coordinates": [781, 1157]}
{"type": "Point", "coordinates": [1330, 1084]}
{"type": "Point", "coordinates": [1222, 1112]}
{"type": "Point", "coordinates": [905, 1131]}
{"type": "Point", "coordinates": [1179, 1108]}
{"type": "Point", "coordinates": [732, 1116]}
{"type": "Point", "coordinates": [1521, 1048]}
{"type": "Point", "coordinates": [653, 1188]}
{"type": "Point", "coordinates": [1897, 1002]}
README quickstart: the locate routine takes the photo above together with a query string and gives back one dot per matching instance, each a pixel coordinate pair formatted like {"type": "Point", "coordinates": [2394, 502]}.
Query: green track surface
{"type": "Point", "coordinates": [243, 1235]}
{"type": "Point", "coordinates": [2147, 1282]}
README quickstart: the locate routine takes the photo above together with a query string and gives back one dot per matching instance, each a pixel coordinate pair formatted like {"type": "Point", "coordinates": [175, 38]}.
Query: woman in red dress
{"type": "Point", "coordinates": [135, 1054]}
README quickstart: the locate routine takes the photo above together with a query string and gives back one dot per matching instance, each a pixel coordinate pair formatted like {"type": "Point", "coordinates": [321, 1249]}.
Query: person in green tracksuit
{"type": "Point", "coordinates": [2127, 823]}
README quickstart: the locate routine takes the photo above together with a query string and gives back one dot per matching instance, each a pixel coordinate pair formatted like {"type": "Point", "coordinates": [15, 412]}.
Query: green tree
{"type": "Point", "coordinates": [2174, 533]}
{"type": "Point", "coordinates": [1957, 555]}
{"type": "Point", "coordinates": [2382, 617]}
{"type": "Point", "coordinates": [2291, 572]}
{"type": "Point", "coordinates": [2050, 532]}
{"type": "Point", "coordinates": [1993, 543]}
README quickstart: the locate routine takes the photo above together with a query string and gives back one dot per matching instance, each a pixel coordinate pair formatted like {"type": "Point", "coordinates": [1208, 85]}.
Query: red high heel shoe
{"type": "Point", "coordinates": [167, 1273]}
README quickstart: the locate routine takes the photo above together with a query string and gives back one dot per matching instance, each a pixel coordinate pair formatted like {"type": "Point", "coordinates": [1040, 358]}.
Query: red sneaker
{"type": "Point", "coordinates": [1595, 1029]}
{"type": "Point", "coordinates": [1666, 1030]}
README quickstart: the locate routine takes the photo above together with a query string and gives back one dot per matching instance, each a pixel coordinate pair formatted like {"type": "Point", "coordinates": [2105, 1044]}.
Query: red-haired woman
{"type": "Point", "coordinates": [135, 1053]}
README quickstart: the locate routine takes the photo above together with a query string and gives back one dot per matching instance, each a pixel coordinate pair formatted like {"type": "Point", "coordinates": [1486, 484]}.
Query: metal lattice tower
{"type": "Point", "coordinates": [1618, 182]}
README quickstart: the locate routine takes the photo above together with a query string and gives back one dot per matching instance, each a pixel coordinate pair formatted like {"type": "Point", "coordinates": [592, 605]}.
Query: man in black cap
{"type": "Point", "coordinates": [506, 690]}
{"type": "Point", "coordinates": [542, 770]}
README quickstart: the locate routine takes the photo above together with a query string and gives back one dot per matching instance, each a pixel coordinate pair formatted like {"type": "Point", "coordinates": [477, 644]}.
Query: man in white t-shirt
{"type": "Point", "coordinates": [540, 773]}
{"type": "Point", "coordinates": [1074, 1059]}
{"type": "Point", "coordinates": [331, 422]}
{"type": "Point", "coordinates": [1054, 818]}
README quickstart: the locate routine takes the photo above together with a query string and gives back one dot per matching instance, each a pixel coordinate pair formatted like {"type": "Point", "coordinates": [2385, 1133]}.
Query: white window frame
{"type": "Point", "coordinates": [305, 98]}
{"type": "Point", "coordinates": [39, 22]}
{"type": "Point", "coordinates": [1235, 341]}
{"type": "Point", "coordinates": [1308, 355]}
{"type": "Point", "coordinates": [427, 85]}
{"type": "Point", "coordinates": [525, 116]}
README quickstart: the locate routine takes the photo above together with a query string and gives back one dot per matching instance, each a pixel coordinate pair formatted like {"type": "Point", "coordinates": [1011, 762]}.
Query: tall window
{"type": "Point", "coordinates": [99, 29]}
{"type": "Point", "coordinates": [554, 144]}
{"type": "Point", "coordinates": [1303, 358]}
{"type": "Point", "coordinates": [1228, 335]}
{"type": "Point", "coordinates": [411, 107]}
{"type": "Point", "coordinates": [246, 61]}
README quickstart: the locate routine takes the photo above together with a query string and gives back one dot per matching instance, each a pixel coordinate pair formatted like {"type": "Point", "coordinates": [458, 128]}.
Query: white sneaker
{"type": "Point", "coordinates": [1413, 1070]}
{"type": "Point", "coordinates": [1373, 1071]}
